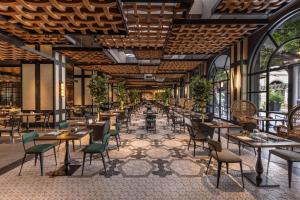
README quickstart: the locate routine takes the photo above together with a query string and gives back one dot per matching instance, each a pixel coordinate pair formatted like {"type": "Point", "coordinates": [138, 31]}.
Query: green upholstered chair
{"type": "Point", "coordinates": [116, 133]}
{"type": "Point", "coordinates": [36, 149]}
{"type": "Point", "coordinates": [65, 125]}
{"type": "Point", "coordinates": [289, 156]}
{"type": "Point", "coordinates": [97, 148]}
{"type": "Point", "coordinates": [222, 156]}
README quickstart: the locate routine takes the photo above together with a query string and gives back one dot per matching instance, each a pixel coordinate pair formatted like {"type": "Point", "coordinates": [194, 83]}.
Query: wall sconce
{"type": "Point", "coordinates": [62, 89]}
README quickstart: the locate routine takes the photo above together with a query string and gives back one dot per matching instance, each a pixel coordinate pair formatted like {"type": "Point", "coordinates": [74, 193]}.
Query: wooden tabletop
{"type": "Point", "coordinates": [268, 141]}
{"type": "Point", "coordinates": [267, 119]}
{"type": "Point", "coordinates": [29, 114]}
{"type": "Point", "coordinates": [65, 135]}
{"type": "Point", "coordinates": [221, 125]}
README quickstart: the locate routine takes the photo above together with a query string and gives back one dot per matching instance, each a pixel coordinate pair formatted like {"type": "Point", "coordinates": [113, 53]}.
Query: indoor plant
{"type": "Point", "coordinates": [201, 93]}
{"type": "Point", "coordinates": [134, 95]}
{"type": "Point", "coordinates": [276, 98]}
{"type": "Point", "coordinates": [122, 94]}
{"type": "Point", "coordinates": [98, 91]}
{"type": "Point", "coordinates": [165, 96]}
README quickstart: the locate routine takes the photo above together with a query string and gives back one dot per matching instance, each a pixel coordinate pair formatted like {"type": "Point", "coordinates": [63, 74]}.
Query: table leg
{"type": "Point", "coordinates": [219, 134]}
{"type": "Point", "coordinates": [67, 158]}
{"type": "Point", "coordinates": [258, 178]}
{"type": "Point", "coordinates": [27, 120]}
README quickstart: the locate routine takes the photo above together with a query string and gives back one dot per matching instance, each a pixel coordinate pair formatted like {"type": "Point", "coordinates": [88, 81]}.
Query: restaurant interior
{"type": "Point", "coordinates": [149, 99]}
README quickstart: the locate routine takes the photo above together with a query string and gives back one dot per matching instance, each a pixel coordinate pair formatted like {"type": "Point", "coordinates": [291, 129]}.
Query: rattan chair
{"type": "Point", "coordinates": [292, 130]}
{"type": "Point", "coordinates": [243, 111]}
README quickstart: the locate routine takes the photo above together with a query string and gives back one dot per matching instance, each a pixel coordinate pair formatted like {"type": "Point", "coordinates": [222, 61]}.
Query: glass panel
{"type": "Point", "coordinates": [258, 82]}
{"type": "Point", "coordinates": [278, 88]}
{"type": "Point", "coordinates": [288, 30]}
{"type": "Point", "coordinates": [259, 99]}
{"type": "Point", "coordinates": [263, 56]}
{"type": "Point", "coordinates": [288, 54]}
{"type": "Point", "coordinates": [224, 100]}
{"type": "Point", "coordinates": [216, 101]}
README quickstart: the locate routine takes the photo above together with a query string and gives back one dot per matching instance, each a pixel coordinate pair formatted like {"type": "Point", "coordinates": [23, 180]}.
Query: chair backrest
{"type": "Point", "coordinates": [202, 128]}
{"type": "Point", "coordinates": [249, 126]}
{"type": "Point", "coordinates": [63, 125]}
{"type": "Point", "coordinates": [29, 137]}
{"type": "Point", "coordinates": [214, 145]}
{"type": "Point", "coordinates": [190, 130]}
{"type": "Point", "coordinates": [106, 139]}
{"type": "Point", "coordinates": [243, 109]}
{"type": "Point", "coordinates": [294, 118]}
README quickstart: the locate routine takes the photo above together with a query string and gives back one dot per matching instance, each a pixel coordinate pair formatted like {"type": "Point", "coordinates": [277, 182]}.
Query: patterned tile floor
{"type": "Point", "coordinates": [147, 166]}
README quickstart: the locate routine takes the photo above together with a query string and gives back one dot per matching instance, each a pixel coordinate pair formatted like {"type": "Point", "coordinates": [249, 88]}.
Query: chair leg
{"type": "Point", "coordinates": [268, 162]}
{"type": "Point", "coordinates": [55, 155]}
{"type": "Point", "coordinates": [22, 164]}
{"type": "Point", "coordinates": [73, 143]}
{"type": "Point", "coordinates": [219, 173]}
{"type": "Point", "coordinates": [241, 166]}
{"type": "Point", "coordinates": [83, 161]}
{"type": "Point", "coordinates": [41, 163]}
{"type": "Point", "coordinates": [239, 144]}
{"type": "Point", "coordinates": [254, 151]}
{"type": "Point", "coordinates": [208, 164]}
{"type": "Point", "coordinates": [203, 144]}
{"type": "Point", "coordinates": [91, 158]}
{"type": "Point", "coordinates": [189, 144]}
{"type": "Point", "coordinates": [58, 145]}
{"type": "Point", "coordinates": [103, 163]}
{"type": "Point", "coordinates": [290, 171]}
{"type": "Point", "coordinates": [107, 155]}
{"type": "Point", "coordinates": [227, 168]}
{"type": "Point", "coordinates": [35, 159]}
{"type": "Point", "coordinates": [117, 142]}
{"type": "Point", "coordinates": [194, 148]}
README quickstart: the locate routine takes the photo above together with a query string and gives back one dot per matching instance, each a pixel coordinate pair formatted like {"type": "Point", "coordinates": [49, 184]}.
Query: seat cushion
{"type": "Point", "coordinates": [94, 148]}
{"type": "Point", "coordinates": [40, 148]}
{"type": "Point", "coordinates": [226, 156]}
{"type": "Point", "coordinates": [286, 154]}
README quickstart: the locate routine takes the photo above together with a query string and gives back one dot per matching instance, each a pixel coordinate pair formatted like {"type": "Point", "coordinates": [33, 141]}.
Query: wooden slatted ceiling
{"type": "Point", "coordinates": [148, 54]}
{"type": "Point", "coordinates": [148, 25]}
{"type": "Point", "coordinates": [178, 65]}
{"type": "Point", "coordinates": [13, 70]}
{"type": "Point", "coordinates": [9, 79]}
{"type": "Point", "coordinates": [170, 76]}
{"type": "Point", "coordinates": [87, 57]}
{"type": "Point", "coordinates": [205, 38]}
{"type": "Point", "coordinates": [250, 6]}
{"type": "Point", "coordinates": [64, 16]}
{"type": "Point", "coordinates": [10, 52]}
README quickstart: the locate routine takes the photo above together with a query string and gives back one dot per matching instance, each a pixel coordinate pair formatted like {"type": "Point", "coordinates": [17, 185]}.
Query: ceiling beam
{"type": "Point", "coordinates": [221, 21]}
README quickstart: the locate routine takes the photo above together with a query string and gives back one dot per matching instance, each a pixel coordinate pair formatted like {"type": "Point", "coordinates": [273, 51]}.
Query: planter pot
{"type": "Point", "coordinates": [274, 106]}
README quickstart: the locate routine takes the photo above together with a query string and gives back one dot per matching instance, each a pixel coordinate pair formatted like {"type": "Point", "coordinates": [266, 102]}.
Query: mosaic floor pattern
{"type": "Point", "coordinates": [147, 166]}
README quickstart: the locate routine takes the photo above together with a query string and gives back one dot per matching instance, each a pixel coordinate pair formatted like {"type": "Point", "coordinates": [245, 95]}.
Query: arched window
{"type": "Point", "coordinates": [274, 83]}
{"type": "Point", "coordinates": [219, 76]}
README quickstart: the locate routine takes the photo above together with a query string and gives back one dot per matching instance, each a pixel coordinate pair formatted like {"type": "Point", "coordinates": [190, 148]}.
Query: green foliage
{"type": "Point", "coordinates": [122, 91]}
{"type": "Point", "coordinates": [221, 75]}
{"type": "Point", "coordinates": [265, 54]}
{"type": "Point", "coordinates": [276, 96]}
{"type": "Point", "coordinates": [134, 95]}
{"type": "Point", "coordinates": [165, 96]}
{"type": "Point", "coordinates": [201, 91]}
{"type": "Point", "coordinates": [98, 89]}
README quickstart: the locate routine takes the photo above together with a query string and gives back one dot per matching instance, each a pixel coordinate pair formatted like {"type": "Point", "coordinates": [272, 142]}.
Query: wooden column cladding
{"type": "Point", "coordinates": [239, 69]}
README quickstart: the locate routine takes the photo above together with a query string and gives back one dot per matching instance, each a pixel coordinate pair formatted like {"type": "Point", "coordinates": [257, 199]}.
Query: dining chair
{"type": "Point", "coordinates": [36, 149]}
{"type": "Point", "coordinates": [116, 133]}
{"type": "Point", "coordinates": [222, 156]}
{"type": "Point", "coordinates": [289, 156]}
{"type": "Point", "coordinates": [97, 148]}
{"type": "Point", "coordinates": [13, 126]}
{"type": "Point", "coordinates": [65, 125]}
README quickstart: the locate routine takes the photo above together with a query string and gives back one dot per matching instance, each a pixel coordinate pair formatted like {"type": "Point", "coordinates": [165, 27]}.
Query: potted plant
{"type": "Point", "coordinates": [134, 96]}
{"type": "Point", "coordinates": [98, 91]}
{"type": "Point", "coordinates": [122, 94]}
{"type": "Point", "coordinates": [201, 93]}
{"type": "Point", "coordinates": [276, 98]}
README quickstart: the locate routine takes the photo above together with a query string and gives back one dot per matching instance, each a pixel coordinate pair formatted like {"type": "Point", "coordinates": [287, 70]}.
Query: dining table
{"type": "Point", "coordinates": [263, 120]}
{"type": "Point", "coordinates": [27, 115]}
{"type": "Point", "coordinates": [259, 141]}
{"type": "Point", "coordinates": [221, 125]}
{"type": "Point", "coordinates": [66, 136]}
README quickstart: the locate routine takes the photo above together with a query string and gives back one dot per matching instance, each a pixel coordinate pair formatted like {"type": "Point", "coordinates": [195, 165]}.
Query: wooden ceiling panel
{"type": "Point", "coordinates": [11, 70]}
{"type": "Point", "coordinates": [170, 76]}
{"type": "Point", "coordinates": [148, 54]}
{"type": "Point", "coordinates": [9, 52]}
{"type": "Point", "coordinates": [178, 65]}
{"type": "Point", "coordinates": [87, 56]}
{"type": "Point", "coordinates": [205, 38]}
{"type": "Point", "coordinates": [148, 25]}
{"type": "Point", "coordinates": [9, 78]}
{"type": "Point", "coordinates": [249, 6]}
{"type": "Point", "coordinates": [148, 69]}
{"type": "Point", "coordinates": [63, 17]}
